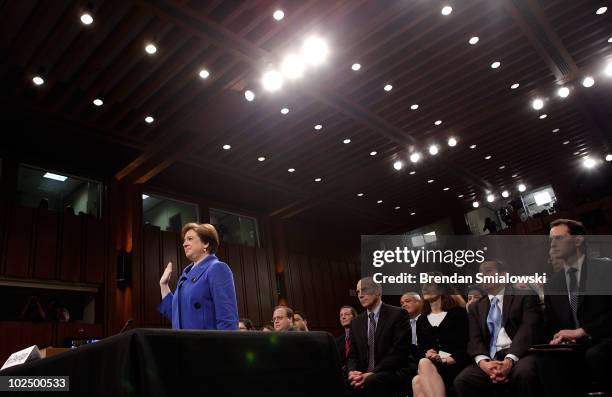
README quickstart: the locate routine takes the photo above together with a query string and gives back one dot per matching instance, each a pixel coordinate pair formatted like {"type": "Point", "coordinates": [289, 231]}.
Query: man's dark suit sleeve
{"type": "Point", "coordinates": [529, 331]}
{"type": "Point", "coordinates": [352, 361]}
{"type": "Point", "coordinates": [476, 343]}
{"type": "Point", "coordinates": [401, 351]}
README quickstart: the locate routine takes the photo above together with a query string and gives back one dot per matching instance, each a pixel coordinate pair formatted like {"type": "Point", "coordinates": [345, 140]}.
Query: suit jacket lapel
{"type": "Point", "coordinates": [582, 287]}
{"type": "Point", "coordinates": [379, 328]}
{"type": "Point", "coordinates": [485, 305]}
{"type": "Point", "coordinates": [507, 304]}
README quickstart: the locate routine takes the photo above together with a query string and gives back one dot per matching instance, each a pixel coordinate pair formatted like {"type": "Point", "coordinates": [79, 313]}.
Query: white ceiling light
{"type": "Point", "coordinates": [55, 177]}
{"type": "Point", "coordinates": [314, 50]}
{"type": "Point", "coordinates": [601, 10]}
{"type": "Point", "coordinates": [446, 189]}
{"type": "Point", "coordinates": [398, 165]}
{"type": "Point", "coordinates": [566, 142]}
{"type": "Point", "coordinates": [388, 87]}
{"type": "Point", "coordinates": [346, 141]}
{"type": "Point", "coordinates": [430, 181]}
{"type": "Point", "coordinates": [610, 40]}
{"type": "Point", "coordinates": [563, 92]}
{"type": "Point", "coordinates": [414, 107]}
{"type": "Point", "coordinates": [356, 66]}
{"type": "Point", "coordinates": [98, 102]}
{"type": "Point", "coordinates": [291, 170]}
{"type": "Point", "coordinates": [145, 196]}
{"type": "Point", "coordinates": [318, 127]}
{"type": "Point", "coordinates": [475, 204]}
{"type": "Point", "coordinates": [473, 40]}
{"type": "Point", "coordinates": [278, 15]}
{"type": "Point", "coordinates": [86, 19]}
{"type": "Point", "coordinates": [149, 119]}
{"type": "Point", "coordinates": [514, 86]}
{"type": "Point", "coordinates": [537, 104]}
{"type": "Point", "coordinates": [460, 196]}
{"type": "Point", "coordinates": [204, 74]}
{"type": "Point", "coordinates": [501, 167]}
{"type": "Point", "coordinates": [249, 95]}
{"type": "Point", "coordinates": [227, 147]}
{"type": "Point", "coordinates": [412, 213]}
{"type": "Point", "coordinates": [588, 82]}
{"type": "Point", "coordinates": [521, 188]}
{"type": "Point", "coordinates": [433, 150]}
{"type": "Point", "coordinates": [318, 179]}
{"type": "Point", "coordinates": [260, 159]}
{"type": "Point", "coordinates": [495, 65]}
{"type": "Point", "coordinates": [515, 175]}
{"type": "Point", "coordinates": [472, 146]}
{"type": "Point", "coordinates": [488, 157]}
{"type": "Point", "coordinates": [437, 122]}
{"type": "Point", "coordinates": [150, 49]}
{"type": "Point", "coordinates": [284, 110]}
{"type": "Point", "coordinates": [555, 130]}
{"type": "Point", "coordinates": [272, 80]}
{"type": "Point", "coordinates": [452, 142]}
{"type": "Point", "coordinates": [415, 157]}
{"type": "Point", "coordinates": [292, 66]}
{"type": "Point", "coordinates": [589, 162]}
{"type": "Point", "coordinates": [379, 202]}
{"type": "Point", "coordinates": [38, 80]}
{"type": "Point", "coordinates": [543, 116]}
{"type": "Point", "coordinates": [446, 10]}
{"type": "Point", "coordinates": [490, 198]}
{"type": "Point", "coordinates": [412, 172]}
{"type": "Point", "coordinates": [398, 207]}
{"type": "Point", "coordinates": [373, 153]}
{"type": "Point", "coordinates": [608, 69]}
{"type": "Point", "coordinates": [359, 194]}
{"type": "Point", "coordinates": [505, 194]}
{"type": "Point", "coordinates": [576, 153]}
{"type": "Point", "coordinates": [608, 157]}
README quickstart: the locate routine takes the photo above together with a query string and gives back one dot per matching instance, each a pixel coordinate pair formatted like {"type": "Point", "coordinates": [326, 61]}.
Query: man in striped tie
{"type": "Point", "coordinates": [380, 361]}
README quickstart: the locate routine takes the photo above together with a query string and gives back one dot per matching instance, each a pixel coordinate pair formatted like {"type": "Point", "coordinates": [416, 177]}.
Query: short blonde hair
{"type": "Point", "coordinates": [206, 232]}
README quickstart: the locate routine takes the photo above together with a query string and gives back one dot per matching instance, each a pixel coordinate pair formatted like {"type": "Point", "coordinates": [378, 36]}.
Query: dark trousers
{"type": "Point", "coordinates": [523, 380]}
{"type": "Point", "coordinates": [571, 373]}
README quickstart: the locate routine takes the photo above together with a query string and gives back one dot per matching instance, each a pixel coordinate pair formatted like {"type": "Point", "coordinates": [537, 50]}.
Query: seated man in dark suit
{"type": "Point", "coordinates": [347, 314]}
{"type": "Point", "coordinates": [578, 309]}
{"type": "Point", "coordinates": [503, 324]}
{"type": "Point", "coordinates": [380, 361]}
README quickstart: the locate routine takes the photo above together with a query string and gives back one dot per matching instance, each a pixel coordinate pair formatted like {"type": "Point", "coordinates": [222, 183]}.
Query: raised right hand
{"type": "Point", "coordinates": [165, 278]}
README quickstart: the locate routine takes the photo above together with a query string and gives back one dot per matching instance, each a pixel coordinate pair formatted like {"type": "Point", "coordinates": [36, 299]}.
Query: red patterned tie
{"type": "Point", "coordinates": [347, 345]}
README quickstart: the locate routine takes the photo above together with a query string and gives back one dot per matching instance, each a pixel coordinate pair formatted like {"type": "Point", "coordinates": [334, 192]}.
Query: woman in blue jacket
{"type": "Point", "coordinates": [205, 297]}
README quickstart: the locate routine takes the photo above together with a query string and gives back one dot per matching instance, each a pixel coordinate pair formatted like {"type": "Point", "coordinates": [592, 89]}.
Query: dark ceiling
{"type": "Point", "coordinates": [424, 55]}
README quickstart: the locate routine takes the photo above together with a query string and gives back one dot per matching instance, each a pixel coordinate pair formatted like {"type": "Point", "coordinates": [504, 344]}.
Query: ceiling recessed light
{"type": "Point", "coordinates": [563, 92]}
{"type": "Point", "coordinates": [284, 110]}
{"type": "Point", "coordinates": [86, 19]}
{"type": "Point", "coordinates": [437, 122]}
{"type": "Point", "coordinates": [412, 172]}
{"type": "Point", "coordinates": [475, 204]}
{"type": "Point", "coordinates": [278, 15]}
{"type": "Point", "coordinates": [149, 119]}
{"type": "Point", "coordinates": [515, 175]}
{"type": "Point", "coordinates": [356, 66]}
{"type": "Point", "coordinates": [460, 196]}
{"type": "Point", "coordinates": [488, 157]}
{"type": "Point", "coordinates": [543, 116]}
{"type": "Point", "coordinates": [291, 170]}
{"type": "Point", "coordinates": [588, 82]}
{"type": "Point", "coordinates": [145, 196]}
{"type": "Point", "coordinates": [433, 150]}
{"type": "Point", "coordinates": [446, 189]}
{"type": "Point", "coordinates": [608, 69]}
{"type": "Point", "coordinates": [589, 162]}
{"type": "Point", "coordinates": [610, 40]}
{"type": "Point", "coordinates": [566, 142]}
{"type": "Point", "coordinates": [314, 50]}
{"type": "Point", "coordinates": [379, 202]}
{"type": "Point", "coordinates": [601, 10]}
{"type": "Point", "coordinates": [412, 213]}
{"type": "Point", "coordinates": [514, 86]}
{"type": "Point", "coordinates": [98, 102]}
{"type": "Point", "coordinates": [373, 153]}
{"type": "Point", "coordinates": [346, 141]}
{"type": "Point", "coordinates": [501, 167]}
{"type": "Point", "coordinates": [227, 147]}
{"type": "Point", "coordinates": [415, 157]}
{"type": "Point", "coordinates": [576, 153]}
{"type": "Point", "coordinates": [473, 40]}
{"type": "Point", "coordinates": [359, 194]}
{"type": "Point", "coordinates": [537, 104]}
{"type": "Point", "coordinates": [472, 146]}
{"type": "Point", "coordinates": [318, 127]}
{"type": "Point", "coordinates": [318, 179]}
{"type": "Point", "coordinates": [55, 177]}
{"type": "Point", "coordinates": [204, 74]}
{"type": "Point", "coordinates": [446, 10]}
{"type": "Point", "coordinates": [398, 207]}
{"type": "Point", "coordinates": [490, 198]}
{"type": "Point", "coordinates": [249, 95]}
{"type": "Point", "coordinates": [150, 49]}
{"type": "Point", "coordinates": [388, 87]}
{"type": "Point", "coordinates": [555, 130]}
{"type": "Point", "coordinates": [505, 194]}
{"type": "Point", "coordinates": [38, 80]}
{"type": "Point", "coordinates": [398, 165]}
{"type": "Point", "coordinates": [261, 158]}
{"type": "Point", "coordinates": [430, 181]}
{"type": "Point", "coordinates": [272, 80]}
{"type": "Point", "coordinates": [608, 157]}
{"type": "Point", "coordinates": [522, 188]}
{"type": "Point", "coordinates": [293, 66]}
{"type": "Point", "coordinates": [452, 142]}
{"type": "Point", "coordinates": [495, 65]}
{"type": "Point", "coordinates": [414, 107]}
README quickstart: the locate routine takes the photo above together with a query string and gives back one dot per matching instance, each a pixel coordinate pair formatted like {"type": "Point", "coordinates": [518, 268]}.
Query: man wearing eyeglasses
{"type": "Point", "coordinates": [282, 318]}
{"type": "Point", "coordinates": [380, 360]}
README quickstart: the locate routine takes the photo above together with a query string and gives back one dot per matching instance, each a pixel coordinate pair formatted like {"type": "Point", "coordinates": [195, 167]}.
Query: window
{"type": "Point", "coordinates": [55, 191]}
{"type": "Point", "coordinates": [540, 201]}
{"type": "Point", "coordinates": [235, 228]}
{"type": "Point", "coordinates": [167, 214]}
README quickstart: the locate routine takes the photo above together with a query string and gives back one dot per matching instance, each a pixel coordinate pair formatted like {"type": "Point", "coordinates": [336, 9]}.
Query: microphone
{"type": "Point", "coordinates": [127, 324]}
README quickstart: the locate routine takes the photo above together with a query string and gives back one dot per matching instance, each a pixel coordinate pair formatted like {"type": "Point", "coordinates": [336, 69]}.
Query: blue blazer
{"type": "Point", "coordinates": [205, 298]}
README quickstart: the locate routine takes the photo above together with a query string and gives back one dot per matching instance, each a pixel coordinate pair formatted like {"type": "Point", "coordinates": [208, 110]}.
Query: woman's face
{"type": "Point", "coordinates": [193, 246]}
{"type": "Point", "coordinates": [430, 292]}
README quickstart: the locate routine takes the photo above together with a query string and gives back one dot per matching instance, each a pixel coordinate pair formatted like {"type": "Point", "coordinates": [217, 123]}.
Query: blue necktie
{"type": "Point", "coordinates": [414, 331]}
{"type": "Point", "coordinates": [494, 324]}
